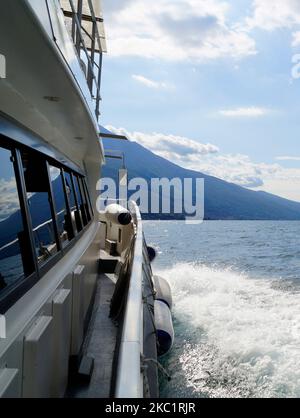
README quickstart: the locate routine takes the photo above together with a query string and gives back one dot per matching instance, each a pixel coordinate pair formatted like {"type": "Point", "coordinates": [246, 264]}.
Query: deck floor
{"type": "Point", "coordinates": [100, 341]}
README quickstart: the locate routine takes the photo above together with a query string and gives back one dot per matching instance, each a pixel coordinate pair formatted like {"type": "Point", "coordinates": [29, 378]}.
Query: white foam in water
{"type": "Point", "coordinates": [236, 336]}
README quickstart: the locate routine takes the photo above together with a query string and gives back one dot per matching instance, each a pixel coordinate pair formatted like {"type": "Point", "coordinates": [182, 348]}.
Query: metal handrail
{"type": "Point", "coordinates": [37, 228]}
{"type": "Point", "coordinates": [93, 79]}
{"type": "Point", "coordinates": [93, 16]}
{"type": "Point", "coordinates": [10, 244]}
{"type": "Point", "coordinates": [129, 382]}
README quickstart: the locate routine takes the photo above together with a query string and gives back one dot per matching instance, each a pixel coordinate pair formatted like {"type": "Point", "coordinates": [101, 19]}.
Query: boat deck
{"type": "Point", "coordinates": [100, 342]}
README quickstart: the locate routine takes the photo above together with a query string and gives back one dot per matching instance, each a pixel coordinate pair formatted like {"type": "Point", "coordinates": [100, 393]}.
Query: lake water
{"type": "Point", "coordinates": [236, 290]}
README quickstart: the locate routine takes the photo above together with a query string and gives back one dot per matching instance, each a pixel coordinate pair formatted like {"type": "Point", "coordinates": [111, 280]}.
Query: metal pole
{"type": "Point", "coordinates": [79, 17]}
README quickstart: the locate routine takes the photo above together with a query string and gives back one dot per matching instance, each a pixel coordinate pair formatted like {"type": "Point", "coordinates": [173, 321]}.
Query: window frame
{"type": "Point", "coordinates": [79, 227]}
{"type": "Point", "coordinates": [82, 208]}
{"type": "Point", "coordinates": [89, 213]}
{"type": "Point", "coordinates": [9, 296]}
{"type": "Point", "coordinates": [21, 285]}
{"type": "Point", "coordinates": [88, 197]}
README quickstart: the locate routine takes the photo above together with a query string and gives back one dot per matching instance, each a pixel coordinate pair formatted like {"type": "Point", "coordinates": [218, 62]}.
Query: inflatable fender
{"type": "Point", "coordinates": [163, 291]}
{"type": "Point", "coordinates": [152, 253]}
{"type": "Point", "coordinates": [164, 327]}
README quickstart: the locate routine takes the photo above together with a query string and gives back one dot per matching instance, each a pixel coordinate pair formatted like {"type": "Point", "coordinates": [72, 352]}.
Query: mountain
{"type": "Point", "coordinates": [223, 200]}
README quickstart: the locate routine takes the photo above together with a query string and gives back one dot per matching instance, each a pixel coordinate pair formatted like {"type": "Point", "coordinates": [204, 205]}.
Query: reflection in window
{"type": "Point", "coordinates": [80, 199]}
{"type": "Point", "coordinates": [37, 188]}
{"type": "Point", "coordinates": [75, 214]}
{"type": "Point", "coordinates": [64, 224]}
{"type": "Point", "coordinates": [11, 225]}
{"type": "Point", "coordinates": [85, 200]}
{"type": "Point", "coordinates": [89, 204]}
{"type": "Point", "coordinates": [70, 191]}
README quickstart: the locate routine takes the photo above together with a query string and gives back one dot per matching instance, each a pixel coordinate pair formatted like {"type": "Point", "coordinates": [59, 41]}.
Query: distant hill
{"type": "Point", "coordinates": [223, 200]}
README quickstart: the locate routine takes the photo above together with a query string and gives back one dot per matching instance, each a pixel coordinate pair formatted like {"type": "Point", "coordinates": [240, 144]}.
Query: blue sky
{"type": "Point", "coordinates": [212, 78]}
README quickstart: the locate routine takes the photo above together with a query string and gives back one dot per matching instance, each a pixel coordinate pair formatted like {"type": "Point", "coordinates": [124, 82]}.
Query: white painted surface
{"type": "Point", "coordinates": [38, 359]}
{"type": "Point", "coordinates": [62, 310]}
{"type": "Point", "coordinates": [8, 383]}
{"type": "Point", "coordinates": [131, 347]}
{"type": "Point", "coordinates": [39, 300]}
{"type": "Point", "coordinates": [77, 309]}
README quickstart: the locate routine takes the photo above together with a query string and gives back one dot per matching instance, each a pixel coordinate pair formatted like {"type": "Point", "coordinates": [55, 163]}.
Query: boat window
{"type": "Point", "coordinates": [38, 196]}
{"type": "Point", "coordinates": [81, 200]}
{"type": "Point", "coordinates": [75, 214]}
{"type": "Point", "coordinates": [87, 196]}
{"type": "Point", "coordinates": [64, 224]}
{"type": "Point", "coordinates": [11, 226]}
{"type": "Point", "coordinates": [43, 206]}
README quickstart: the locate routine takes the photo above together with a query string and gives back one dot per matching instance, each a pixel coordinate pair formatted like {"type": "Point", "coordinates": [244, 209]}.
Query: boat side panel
{"type": "Point", "coordinates": [51, 18]}
{"type": "Point", "coordinates": [39, 302]}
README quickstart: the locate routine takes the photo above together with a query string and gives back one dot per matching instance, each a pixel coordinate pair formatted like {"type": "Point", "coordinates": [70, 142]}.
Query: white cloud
{"type": "Point", "coordinates": [9, 200]}
{"type": "Point", "coordinates": [287, 158]}
{"type": "Point", "coordinates": [289, 188]}
{"type": "Point", "coordinates": [207, 158]}
{"type": "Point", "coordinates": [274, 14]}
{"type": "Point", "coordinates": [249, 112]}
{"type": "Point", "coordinates": [238, 169]}
{"type": "Point", "coordinates": [158, 85]}
{"type": "Point", "coordinates": [171, 145]}
{"type": "Point", "coordinates": [174, 30]}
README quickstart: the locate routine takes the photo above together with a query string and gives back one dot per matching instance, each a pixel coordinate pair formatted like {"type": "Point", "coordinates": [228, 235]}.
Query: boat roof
{"type": "Point", "coordinates": [91, 11]}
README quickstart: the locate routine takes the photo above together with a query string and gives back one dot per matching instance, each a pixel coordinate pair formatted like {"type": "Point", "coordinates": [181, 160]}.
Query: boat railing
{"type": "Point", "coordinates": [129, 382]}
{"type": "Point", "coordinates": [9, 244]}
{"type": "Point", "coordinates": [35, 230]}
{"type": "Point", "coordinates": [87, 31]}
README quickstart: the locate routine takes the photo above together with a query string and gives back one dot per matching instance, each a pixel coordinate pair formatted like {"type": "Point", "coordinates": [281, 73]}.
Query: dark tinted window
{"type": "Point", "coordinates": [70, 191]}
{"type": "Point", "coordinates": [33, 226]}
{"type": "Point", "coordinates": [81, 200]}
{"type": "Point", "coordinates": [11, 224]}
{"type": "Point", "coordinates": [73, 201]}
{"type": "Point", "coordinates": [64, 225]}
{"type": "Point", "coordinates": [87, 197]}
{"type": "Point", "coordinates": [37, 189]}
{"type": "Point", "coordinates": [78, 193]}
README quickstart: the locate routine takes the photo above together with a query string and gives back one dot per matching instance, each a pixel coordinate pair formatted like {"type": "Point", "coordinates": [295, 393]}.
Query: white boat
{"type": "Point", "coordinates": [81, 314]}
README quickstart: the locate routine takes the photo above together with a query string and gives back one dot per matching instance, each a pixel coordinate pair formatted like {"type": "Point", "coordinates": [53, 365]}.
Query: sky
{"type": "Point", "coordinates": [212, 85]}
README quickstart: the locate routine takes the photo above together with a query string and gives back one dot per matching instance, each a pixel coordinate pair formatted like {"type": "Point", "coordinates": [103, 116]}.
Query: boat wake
{"type": "Point", "coordinates": [235, 336]}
